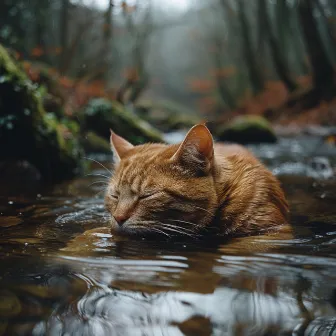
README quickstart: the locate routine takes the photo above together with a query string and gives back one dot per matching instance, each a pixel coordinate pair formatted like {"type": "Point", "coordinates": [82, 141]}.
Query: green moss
{"type": "Point", "coordinates": [100, 115]}
{"type": "Point", "coordinates": [245, 122]}
{"type": "Point", "coordinates": [167, 116]}
{"type": "Point", "coordinates": [247, 129]}
{"type": "Point", "coordinates": [27, 132]}
{"type": "Point", "coordinates": [95, 144]}
{"type": "Point", "coordinates": [50, 90]}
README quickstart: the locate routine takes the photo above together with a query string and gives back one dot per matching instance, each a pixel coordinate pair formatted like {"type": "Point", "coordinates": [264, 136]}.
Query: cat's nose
{"type": "Point", "coordinates": [121, 219]}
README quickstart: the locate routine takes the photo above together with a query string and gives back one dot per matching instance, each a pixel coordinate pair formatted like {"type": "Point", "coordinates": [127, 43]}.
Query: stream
{"type": "Point", "coordinates": [55, 280]}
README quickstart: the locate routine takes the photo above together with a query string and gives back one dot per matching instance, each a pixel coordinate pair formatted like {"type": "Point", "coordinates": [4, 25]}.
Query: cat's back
{"type": "Point", "coordinates": [225, 150]}
{"type": "Point", "coordinates": [251, 199]}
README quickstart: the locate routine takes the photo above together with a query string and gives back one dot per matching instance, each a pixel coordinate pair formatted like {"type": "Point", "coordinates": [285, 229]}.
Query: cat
{"type": "Point", "coordinates": [191, 189]}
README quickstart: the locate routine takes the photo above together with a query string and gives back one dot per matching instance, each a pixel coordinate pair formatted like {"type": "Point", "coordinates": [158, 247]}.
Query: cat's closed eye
{"type": "Point", "coordinates": [114, 195]}
{"type": "Point", "coordinates": [148, 195]}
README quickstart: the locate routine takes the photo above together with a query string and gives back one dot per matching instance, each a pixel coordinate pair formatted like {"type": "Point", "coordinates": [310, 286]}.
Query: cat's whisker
{"type": "Point", "coordinates": [197, 207]}
{"type": "Point", "coordinates": [103, 182]}
{"type": "Point", "coordinates": [107, 177]}
{"type": "Point", "coordinates": [87, 158]}
{"type": "Point", "coordinates": [177, 230]}
{"type": "Point", "coordinates": [178, 227]}
{"type": "Point", "coordinates": [183, 221]}
{"type": "Point", "coordinates": [99, 192]}
{"type": "Point", "coordinates": [170, 227]}
{"type": "Point", "coordinates": [162, 232]}
{"type": "Point", "coordinates": [146, 228]}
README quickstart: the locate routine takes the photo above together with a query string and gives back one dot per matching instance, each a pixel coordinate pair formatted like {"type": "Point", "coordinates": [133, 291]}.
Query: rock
{"type": "Point", "coordinates": [167, 116]}
{"type": "Point", "coordinates": [3, 327]}
{"type": "Point", "coordinates": [9, 304]}
{"type": "Point", "coordinates": [54, 98]}
{"type": "Point", "coordinates": [94, 143]}
{"type": "Point", "coordinates": [318, 130]}
{"type": "Point", "coordinates": [8, 221]}
{"type": "Point", "coordinates": [28, 133]}
{"type": "Point", "coordinates": [101, 114]}
{"type": "Point", "coordinates": [247, 130]}
{"type": "Point", "coordinates": [19, 176]}
{"type": "Point", "coordinates": [320, 168]}
{"type": "Point", "coordinates": [175, 122]}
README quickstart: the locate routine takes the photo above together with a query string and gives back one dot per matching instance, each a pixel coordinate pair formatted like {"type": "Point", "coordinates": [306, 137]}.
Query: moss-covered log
{"type": "Point", "coordinates": [167, 116]}
{"type": "Point", "coordinates": [100, 115]}
{"type": "Point", "coordinates": [27, 132]}
{"type": "Point", "coordinates": [94, 143]}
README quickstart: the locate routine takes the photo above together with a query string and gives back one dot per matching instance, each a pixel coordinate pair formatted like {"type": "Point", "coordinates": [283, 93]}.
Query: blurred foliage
{"type": "Point", "coordinates": [220, 57]}
{"type": "Point", "coordinates": [28, 132]}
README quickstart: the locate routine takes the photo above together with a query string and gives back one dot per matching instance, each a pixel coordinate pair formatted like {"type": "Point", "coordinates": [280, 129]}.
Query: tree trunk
{"type": "Point", "coordinates": [64, 32]}
{"type": "Point", "coordinates": [107, 31]}
{"type": "Point", "coordinates": [261, 34]}
{"type": "Point", "coordinates": [281, 65]}
{"type": "Point", "coordinates": [139, 87]}
{"type": "Point", "coordinates": [282, 14]}
{"type": "Point", "coordinates": [41, 13]}
{"type": "Point", "coordinates": [256, 78]}
{"type": "Point", "coordinates": [322, 69]}
{"type": "Point", "coordinates": [107, 36]}
{"type": "Point", "coordinates": [327, 31]}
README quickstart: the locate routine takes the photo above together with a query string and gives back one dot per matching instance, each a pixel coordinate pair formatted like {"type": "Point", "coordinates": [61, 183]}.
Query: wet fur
{"type": "Point", "coordinates": [223, 189]}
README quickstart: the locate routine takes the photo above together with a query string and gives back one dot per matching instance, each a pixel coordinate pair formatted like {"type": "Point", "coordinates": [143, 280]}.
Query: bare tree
{"type": "Point", "coordinates": [253, 68]}
{"type": "Point", "coordinates": [139, 26]}
{"type": "Point", "coordinates": [108, 39]}
{"type": "Point", "coordinates": [64, 31]}
{"type": "Point", "coordinates": [279, 60]}
{"type": "Point", "coordinates": [322, 69]}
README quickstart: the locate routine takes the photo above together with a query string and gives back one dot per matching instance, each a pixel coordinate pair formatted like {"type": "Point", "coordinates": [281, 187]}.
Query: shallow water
{"type": "Point", "coordinates": [56, 281]}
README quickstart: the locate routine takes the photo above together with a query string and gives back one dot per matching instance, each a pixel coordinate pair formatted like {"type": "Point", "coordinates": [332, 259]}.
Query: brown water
{"type": "Point", "coordinates": [56, 281]}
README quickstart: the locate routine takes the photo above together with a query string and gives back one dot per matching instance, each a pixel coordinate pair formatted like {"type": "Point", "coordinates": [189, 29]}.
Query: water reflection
{"type": "Point", "coordinates": [106, 311]}
{"type": "Point", "coordinates": [109, 296]}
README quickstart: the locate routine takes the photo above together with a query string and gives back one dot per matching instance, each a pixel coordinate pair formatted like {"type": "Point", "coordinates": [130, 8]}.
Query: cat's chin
{"type": "Point", "coordinates": [132, 231]}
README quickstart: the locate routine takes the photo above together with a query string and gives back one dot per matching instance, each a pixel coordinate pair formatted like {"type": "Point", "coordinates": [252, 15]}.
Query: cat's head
{"type": "Point", "coordinates": [161, 189]}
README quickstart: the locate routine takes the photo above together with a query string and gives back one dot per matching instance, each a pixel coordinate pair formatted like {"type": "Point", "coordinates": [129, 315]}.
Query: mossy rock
{"type": "Point", "coordinates": [53, 99]}
{"type": "Point", "coordinates": [174, 122]}
{"type": "Point", "coordinates": [94, 143]}
{"type": "Point", "coordinates": [27, 132]}
{"type": "Point", "coordinates": [247, 129]}
{"type": "Point", "coordinates": [100, 115]}
{"type": "Point", "coordinates": [167, 116]}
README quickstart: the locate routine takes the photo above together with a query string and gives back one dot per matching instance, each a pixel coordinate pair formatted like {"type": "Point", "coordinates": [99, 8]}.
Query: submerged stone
{"type": "Point", "coordinates": [9, 304]}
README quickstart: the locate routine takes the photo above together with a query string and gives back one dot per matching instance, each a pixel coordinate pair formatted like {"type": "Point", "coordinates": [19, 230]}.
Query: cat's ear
{"type": "Point", "coordinates": [119, 146]}
{"type": "Point", "coordinates": [196, 152]}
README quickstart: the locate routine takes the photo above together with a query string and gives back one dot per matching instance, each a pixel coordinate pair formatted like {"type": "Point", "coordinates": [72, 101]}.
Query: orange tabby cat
{"type": "Point", "coordinates": [192, 188]}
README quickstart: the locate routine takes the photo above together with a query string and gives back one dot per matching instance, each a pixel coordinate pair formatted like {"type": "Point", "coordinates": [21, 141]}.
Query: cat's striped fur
{"type": "Point", "coordinates": [192, 189]}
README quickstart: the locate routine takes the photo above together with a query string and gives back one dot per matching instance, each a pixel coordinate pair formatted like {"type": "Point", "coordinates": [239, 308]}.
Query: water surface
{"type": "Point", "coordinates": [57, 281]}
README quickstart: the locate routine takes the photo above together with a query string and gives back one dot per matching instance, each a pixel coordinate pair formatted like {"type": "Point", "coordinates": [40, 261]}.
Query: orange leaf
{"type": "Point", "coordinates": [37, 52]}
{"type": "Point", "coordinates": [201, 85]}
